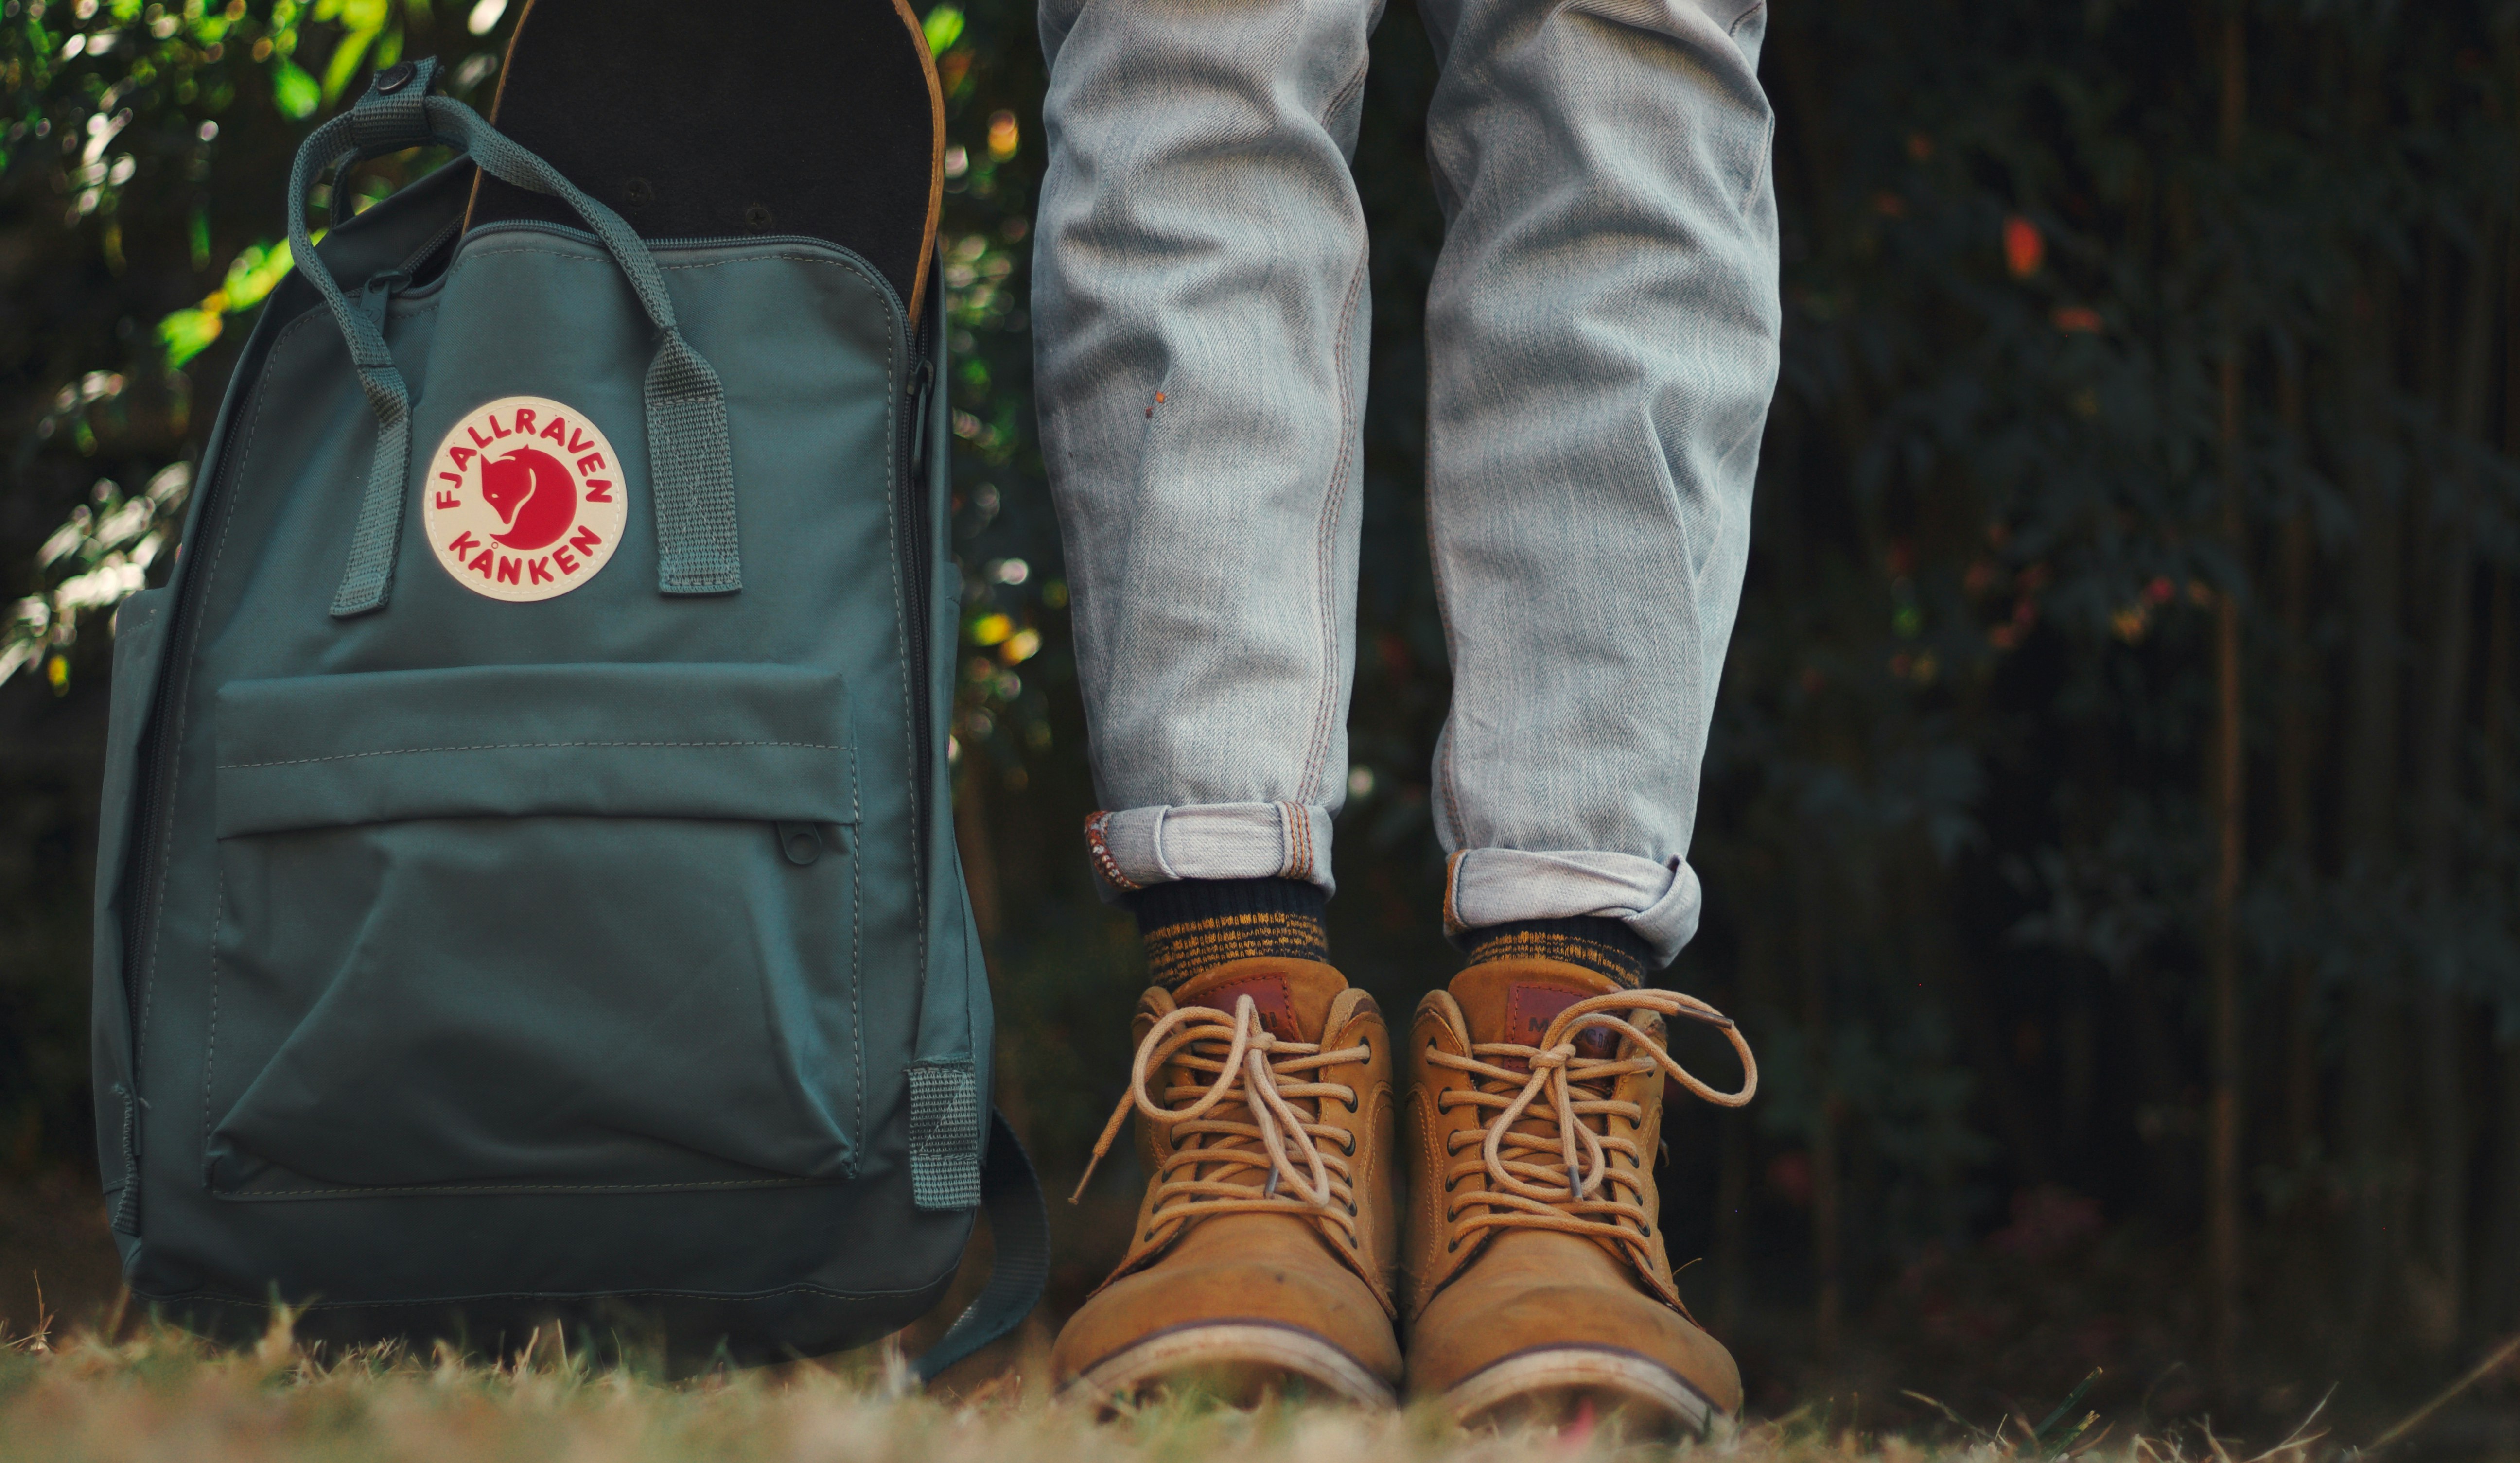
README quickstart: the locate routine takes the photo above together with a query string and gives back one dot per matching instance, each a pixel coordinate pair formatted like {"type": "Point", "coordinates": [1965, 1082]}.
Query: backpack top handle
{"type": "Point", "coordinates": [689, 460]}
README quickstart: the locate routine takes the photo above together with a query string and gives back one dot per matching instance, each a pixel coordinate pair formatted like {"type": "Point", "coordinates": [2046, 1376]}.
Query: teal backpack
{"type": "Point", "coordinates": [528, 890]}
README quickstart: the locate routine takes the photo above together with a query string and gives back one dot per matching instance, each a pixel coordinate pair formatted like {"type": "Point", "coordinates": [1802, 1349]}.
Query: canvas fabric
{"type": "Point", "coordinates": [597, 952]}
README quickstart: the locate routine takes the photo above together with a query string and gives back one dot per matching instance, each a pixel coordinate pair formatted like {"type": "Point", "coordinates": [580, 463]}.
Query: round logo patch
{"type": "Point", "coordinates": [524, 499]}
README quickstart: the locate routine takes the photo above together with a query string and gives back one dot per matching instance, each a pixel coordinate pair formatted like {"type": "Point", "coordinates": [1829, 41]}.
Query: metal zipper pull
{"type": "Point", "coordinates": [926, 380]}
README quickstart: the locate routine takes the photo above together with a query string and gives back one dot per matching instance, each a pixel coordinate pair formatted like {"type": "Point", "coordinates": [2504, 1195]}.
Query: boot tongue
{"type": "Point", "coordinates": [1292, 997]}
{"type": "Point", "coordinates": [1515, 1001]}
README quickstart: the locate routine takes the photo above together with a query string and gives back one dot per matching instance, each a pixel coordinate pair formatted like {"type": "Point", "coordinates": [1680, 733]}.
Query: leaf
{"type": "Point", "coordinates": [344, 63]}
{"type": "Point", "coordinates": [293, 92]}
{"type": "Point", "coordinates": [187, 333]}
{"type": "Point", "coordinates": [252, 274]}
{"type": "Point", "coordinates": [944, 27]}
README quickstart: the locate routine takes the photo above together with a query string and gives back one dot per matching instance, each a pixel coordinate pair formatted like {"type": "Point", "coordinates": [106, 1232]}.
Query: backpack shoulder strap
{"type": "Point", "coordinates": [1010, 1196]}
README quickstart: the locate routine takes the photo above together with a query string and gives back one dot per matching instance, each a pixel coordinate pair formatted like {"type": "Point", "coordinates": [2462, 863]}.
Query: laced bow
{"type": "Point", "coordinates": [1563, 1179]}
{"type": "Point", "coordinates": [1215, 1138]}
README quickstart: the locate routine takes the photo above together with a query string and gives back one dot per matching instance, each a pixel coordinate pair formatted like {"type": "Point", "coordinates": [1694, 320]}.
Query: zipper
{"type": "Point", "coordinates": [918, 553]}
{"type": "Point", "coordinates": [154, 755]}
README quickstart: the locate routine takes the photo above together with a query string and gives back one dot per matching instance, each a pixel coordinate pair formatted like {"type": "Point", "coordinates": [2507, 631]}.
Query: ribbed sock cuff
{"type": "Point", "coordinates": [1606, 947]}
{"type": "Point", "coordinates": [1192, 926]}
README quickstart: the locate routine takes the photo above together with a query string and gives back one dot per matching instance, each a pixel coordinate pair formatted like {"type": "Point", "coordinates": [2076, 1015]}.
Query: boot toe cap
{"type": "Point", "coordinates": [1470, 1337]}
{"type": "Point", "coordinates": [1233, 1313]}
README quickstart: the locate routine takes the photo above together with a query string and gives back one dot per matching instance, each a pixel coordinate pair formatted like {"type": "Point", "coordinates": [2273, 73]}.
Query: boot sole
{"type": "Point", "coordinates": [1554, 1385]}
{"type": "Point", "coordinates": [1239, 1363]}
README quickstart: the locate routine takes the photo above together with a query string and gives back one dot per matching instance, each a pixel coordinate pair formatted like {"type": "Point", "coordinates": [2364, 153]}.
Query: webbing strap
{"type": "Point", "coordinates": [689, 465]}
{"type": "Point", "coordinates": [391, 115]}
{"type": "Point", "coordinates": [1020, 1223]}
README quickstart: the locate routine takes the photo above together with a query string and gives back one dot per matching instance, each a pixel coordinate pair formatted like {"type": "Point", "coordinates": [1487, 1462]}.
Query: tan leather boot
{"type": "Point", "coordinates": [1528, 1296]}
{"type": "Point", "coordinates": [1262, 1259]}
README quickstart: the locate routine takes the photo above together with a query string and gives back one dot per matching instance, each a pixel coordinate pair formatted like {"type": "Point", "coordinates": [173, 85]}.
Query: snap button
{"type": "Point", "coordinates": [395, 77]}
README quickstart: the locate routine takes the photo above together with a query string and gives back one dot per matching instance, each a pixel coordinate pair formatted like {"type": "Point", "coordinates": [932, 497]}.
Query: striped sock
{"type": "Point", "coordinates": [1605, 946]}
{"type": "Point", "coordinates": [1192, 926]}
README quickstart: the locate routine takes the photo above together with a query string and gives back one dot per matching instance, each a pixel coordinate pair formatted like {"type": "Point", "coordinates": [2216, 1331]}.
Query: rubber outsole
{"type": "Point", "coordinates": [1238, 1361]}
{"type": "Point", "coordinates": [1555, 1384]}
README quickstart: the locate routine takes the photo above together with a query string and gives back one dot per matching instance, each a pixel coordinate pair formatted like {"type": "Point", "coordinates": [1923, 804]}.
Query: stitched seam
{"type": "Point", "coordinates": [564, 1295]}
{"type": "Point", "coordinates": [857, 968]}
{"type": "Point", "coordinates": [1325, 537]}
{"type": "Point", "coordinates": [1098, 849]}
{"type": "Point", "coordinates": [1759, 165]}
{"type": "Point", "coordinates": [182, 691]}
{"type": "Point", "coordinates": [500, 746]}
{"type": "Point", "coordinates": [1339, 99]}
{"type": "Point", "coordinates": [211, 1042]}
{"type": "Point", "coordinates": [175, 772]}
{"type": "Point", "coordinates": [843, 266]}
{"type": "Point", "coordinates": [913, 678]}
{"type": "Point", "coordinates": [362, 1191]}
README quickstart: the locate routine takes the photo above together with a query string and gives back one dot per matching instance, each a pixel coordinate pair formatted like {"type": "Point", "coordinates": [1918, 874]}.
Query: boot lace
{"type": "Point", "coordinates": [1218, 1139]}
{"type": "Point", "coordinates": [1544, 1145]}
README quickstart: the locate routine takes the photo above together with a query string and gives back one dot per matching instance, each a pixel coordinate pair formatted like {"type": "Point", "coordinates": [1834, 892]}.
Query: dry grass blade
{"type": "Point", "coordinates": [2493, 1362]}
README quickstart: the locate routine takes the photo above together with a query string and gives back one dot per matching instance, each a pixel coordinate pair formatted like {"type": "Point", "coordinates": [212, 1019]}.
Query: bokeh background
{"type": "Point", "coordinates": [2109, 834]}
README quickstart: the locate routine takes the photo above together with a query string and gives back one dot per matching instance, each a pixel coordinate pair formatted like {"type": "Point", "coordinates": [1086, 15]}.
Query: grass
{"type": "Point", "coordinates": [163, 1394]}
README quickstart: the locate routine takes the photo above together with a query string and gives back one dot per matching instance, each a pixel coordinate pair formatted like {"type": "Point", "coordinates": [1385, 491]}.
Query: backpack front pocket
{"type": "Point", "coordinates": [535, 927]}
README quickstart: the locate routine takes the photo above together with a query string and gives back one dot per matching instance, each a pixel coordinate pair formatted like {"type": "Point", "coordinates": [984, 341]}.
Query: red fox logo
{"type": "Point", "coordinates": [535, 496]}
{"type": "Point", "coordinates": [523, 500]}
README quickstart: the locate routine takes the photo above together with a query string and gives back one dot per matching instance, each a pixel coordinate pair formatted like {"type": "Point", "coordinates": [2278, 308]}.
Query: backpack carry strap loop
{"type": "Point", "coordinates": [1020, 1223]}
{"type": "Point", "coordinates": [690, 465]}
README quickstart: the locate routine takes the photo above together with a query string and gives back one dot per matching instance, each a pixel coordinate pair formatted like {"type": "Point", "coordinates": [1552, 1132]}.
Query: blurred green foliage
{"type": "Point", "coordinates": [2147, 360]}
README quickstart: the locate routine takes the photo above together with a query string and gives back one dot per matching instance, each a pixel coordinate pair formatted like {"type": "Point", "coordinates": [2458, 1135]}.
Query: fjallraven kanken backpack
{"type": "Point", "coordinates": [526, 888]}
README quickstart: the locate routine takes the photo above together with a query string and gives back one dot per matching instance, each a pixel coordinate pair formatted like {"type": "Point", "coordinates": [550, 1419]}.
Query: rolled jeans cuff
{"type": "Point", "coordinates": [1659, 902]}
{"type": "Point", "coordinates": [1137, 847]}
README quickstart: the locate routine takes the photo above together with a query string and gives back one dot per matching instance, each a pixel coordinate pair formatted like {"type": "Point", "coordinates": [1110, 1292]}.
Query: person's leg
{"type": "Point", "coordinates": [1199, 316]}
{"type": "Point", "coordinates": [1200, 303]}
{"type": "Point", "coordinates": [1601, 334]}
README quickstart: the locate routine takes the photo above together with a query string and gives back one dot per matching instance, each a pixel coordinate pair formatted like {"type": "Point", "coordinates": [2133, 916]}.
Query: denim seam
{"type": "Point", "coordinates": [1097, 847]}
{"type": "Point", "coordinates": [1759, 165]}
{"type": "Point", "coordinates": [1325, 541]}
{"type": "Point", "coordinates": [1326, 534]}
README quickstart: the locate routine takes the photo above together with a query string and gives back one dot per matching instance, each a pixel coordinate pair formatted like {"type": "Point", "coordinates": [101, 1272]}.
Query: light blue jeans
{"type": "Point", "coordinates": [1601, 334]}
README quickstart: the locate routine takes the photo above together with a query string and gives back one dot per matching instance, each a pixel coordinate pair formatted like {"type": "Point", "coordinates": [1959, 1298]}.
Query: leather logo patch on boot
{"type": "Point", "coordinates": [523, 500]}
{"type": "Point", "coordinates": [1528, 1010]}
{"type": "Point", "coordinates": [1270, 1000]}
